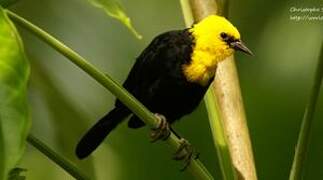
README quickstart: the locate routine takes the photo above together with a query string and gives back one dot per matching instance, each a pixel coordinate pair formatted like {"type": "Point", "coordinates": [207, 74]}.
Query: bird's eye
{"type": "Point", "coordinates": [224, 35]}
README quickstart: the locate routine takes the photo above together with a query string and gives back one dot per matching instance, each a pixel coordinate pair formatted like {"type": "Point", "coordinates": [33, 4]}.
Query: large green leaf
{"type": "Point", "coordinates": [6, 3]}
{"type": "Point", "coordinates": [114, 9]}
{"type": "Point", "coordinates": [14, 117]}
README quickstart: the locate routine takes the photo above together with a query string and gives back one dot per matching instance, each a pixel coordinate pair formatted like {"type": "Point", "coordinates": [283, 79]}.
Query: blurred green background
{"type": "Point", "coordinates": [65, 101]}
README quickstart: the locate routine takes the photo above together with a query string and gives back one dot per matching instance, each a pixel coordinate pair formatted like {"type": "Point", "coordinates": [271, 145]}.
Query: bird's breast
{"type": "Point", "coordinates": [201, 68]}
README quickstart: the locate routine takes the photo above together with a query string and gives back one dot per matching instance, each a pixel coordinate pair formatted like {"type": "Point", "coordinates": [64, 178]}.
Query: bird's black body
{"type": "Point", "coordinates": [156, 80]}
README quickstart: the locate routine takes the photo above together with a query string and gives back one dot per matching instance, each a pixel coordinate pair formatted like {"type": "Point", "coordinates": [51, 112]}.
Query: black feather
{"type": "Point", "coordinates": [135, 123]}
{"type": "Point", "coordinates": [157, 81]}
{"type": "Point", "coordinates": [93, 138]}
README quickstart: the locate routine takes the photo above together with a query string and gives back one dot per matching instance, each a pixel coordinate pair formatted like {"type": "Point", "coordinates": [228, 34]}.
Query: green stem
{"type": "Point", "coordinates": [82, 63]}
{"type": "Point", "coordinates": [2, 154]}
{"type": "Point", "coordinates": [297, 170]}
{"type": "Point", "coordinates": [68, 166]}
{"type": "Point", "coordinates": [196, 168]}
{"type": "Point", "coordinates": [219, 137]}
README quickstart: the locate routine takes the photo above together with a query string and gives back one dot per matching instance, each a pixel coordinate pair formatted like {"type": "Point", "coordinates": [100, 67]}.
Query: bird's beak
{"type": "Point", "coordinates": [240, 46]}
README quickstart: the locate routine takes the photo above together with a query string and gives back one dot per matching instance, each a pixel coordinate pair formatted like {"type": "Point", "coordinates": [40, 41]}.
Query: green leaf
{"type": "Point", "coordinates": [6, 3]}
{"type": "Point", "coordinates": [114, 9]}
{"type": "Point", "coordinates": [14, 116]}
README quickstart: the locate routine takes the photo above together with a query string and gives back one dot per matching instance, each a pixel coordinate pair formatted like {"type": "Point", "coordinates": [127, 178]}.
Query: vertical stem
{"type": "Point", "coordinates": [217, 128]}
{"type": "Point", "coordinates": [68, 166]}
{"type": "Point", "coordinates": [219, 137]}
{"type": "Point", "coordinates": [187, 12]}
{"type": "Point", "coordinates": [226, 90]}
{"type": "Point", "coordinates": [2, 165]}
{"type": "Point", "coordinates": [297, 170]}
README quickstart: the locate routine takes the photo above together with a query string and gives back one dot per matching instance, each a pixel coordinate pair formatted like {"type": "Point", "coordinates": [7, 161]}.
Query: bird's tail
{"type": "Point", "coordinates": [93, 138]}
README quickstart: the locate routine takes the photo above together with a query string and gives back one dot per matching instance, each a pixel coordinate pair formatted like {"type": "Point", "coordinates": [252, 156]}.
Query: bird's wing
{"type": "Point", "coordinates": [161, 56]}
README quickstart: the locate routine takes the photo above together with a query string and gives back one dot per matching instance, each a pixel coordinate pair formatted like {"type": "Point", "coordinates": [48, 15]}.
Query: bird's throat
{"type": "Point", "coordinates": [201, 68]}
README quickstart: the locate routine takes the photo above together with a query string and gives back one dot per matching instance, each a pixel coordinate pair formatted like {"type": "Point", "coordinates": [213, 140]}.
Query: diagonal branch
{"type": "Point", "coordinates": [64, 163]}
{"type": "Point", "coordinates": [196, 168]}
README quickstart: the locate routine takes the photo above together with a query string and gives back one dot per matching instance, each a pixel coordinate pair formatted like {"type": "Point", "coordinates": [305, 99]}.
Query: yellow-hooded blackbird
{"type": "Point", "coordinates": [171, 75]}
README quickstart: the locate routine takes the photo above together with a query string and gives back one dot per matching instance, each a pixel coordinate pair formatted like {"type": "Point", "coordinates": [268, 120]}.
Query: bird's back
{"type": "Point", "coordinates": [157, 78]}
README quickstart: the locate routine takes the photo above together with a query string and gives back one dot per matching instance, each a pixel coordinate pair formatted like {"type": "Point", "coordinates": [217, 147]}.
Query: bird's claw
{"type": "Point", "coordinates": [186, 153]}
{"type": "Point", "coordinates": [162, 132]}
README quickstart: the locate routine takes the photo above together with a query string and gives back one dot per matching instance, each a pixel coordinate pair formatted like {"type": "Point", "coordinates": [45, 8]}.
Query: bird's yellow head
{"type": "Point", "coordinates": [215, 39]}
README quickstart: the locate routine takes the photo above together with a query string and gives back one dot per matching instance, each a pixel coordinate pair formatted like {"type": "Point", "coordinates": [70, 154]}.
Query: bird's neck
{"type": "Point", "coordinates": [207, 51]}
{"type": "Point", "coordinates": [203, 64]}
{"type": "Point", "coordinates": [201, 68]}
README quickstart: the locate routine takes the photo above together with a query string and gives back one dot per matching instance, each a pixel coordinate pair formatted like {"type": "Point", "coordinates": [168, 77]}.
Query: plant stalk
{"type": "Point", "coordinates": [219, 136]}
{"type": "Point", "coordinates": [226, 92]}
{"type": "Point", "coordinates": [297, 170]}
{"type": "Point", "coordinates": [196, 168]}
{"type": "Point", "coordinates": [64, 163]}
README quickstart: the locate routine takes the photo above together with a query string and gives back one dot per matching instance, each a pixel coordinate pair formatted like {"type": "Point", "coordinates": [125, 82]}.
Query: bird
{"type": "Point", "coordinates": [170, 77]}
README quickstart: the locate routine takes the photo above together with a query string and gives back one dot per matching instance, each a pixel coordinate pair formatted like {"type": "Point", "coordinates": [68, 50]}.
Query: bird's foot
{"type": "Point", "coordinates": [185, 152]}
{"type": "Point", "coordinates": [162, 132]}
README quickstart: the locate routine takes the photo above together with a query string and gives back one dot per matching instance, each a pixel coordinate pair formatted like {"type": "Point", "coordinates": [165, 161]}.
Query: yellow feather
{"type": "Point", "coordinates": [209, 48]}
